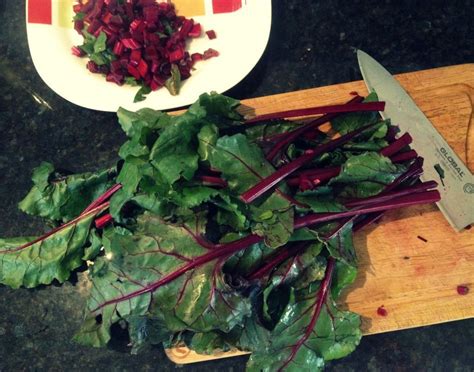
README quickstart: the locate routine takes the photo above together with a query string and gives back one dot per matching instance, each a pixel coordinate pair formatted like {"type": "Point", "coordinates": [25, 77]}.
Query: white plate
{"type": "Point", "coordinates": [242, 36]}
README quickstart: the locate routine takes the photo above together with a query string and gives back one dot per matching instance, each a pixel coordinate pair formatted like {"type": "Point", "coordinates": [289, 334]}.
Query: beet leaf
{"type": "Point", "coordinates": [61, 198]}
{"type": "Point", "coordinates": [30, 262]}
{"type": "Point", "coordinates": [199, 299]}
{"type": "Point", "coordinates": [311, 331]}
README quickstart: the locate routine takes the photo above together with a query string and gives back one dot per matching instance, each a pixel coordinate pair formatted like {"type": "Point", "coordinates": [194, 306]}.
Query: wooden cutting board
{"type": "Point", "coordinates": [414, 280]}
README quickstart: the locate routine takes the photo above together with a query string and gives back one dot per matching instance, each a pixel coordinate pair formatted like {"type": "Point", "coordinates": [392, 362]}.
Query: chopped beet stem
{"type": "Point", "coordinates": [267, 183]}
{"type": "Point", "coordinates": [331, 109]}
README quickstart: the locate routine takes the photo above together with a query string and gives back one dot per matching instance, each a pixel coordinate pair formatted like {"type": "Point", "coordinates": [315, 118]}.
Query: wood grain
{"type": "Point", "coordinates": [413, 279]}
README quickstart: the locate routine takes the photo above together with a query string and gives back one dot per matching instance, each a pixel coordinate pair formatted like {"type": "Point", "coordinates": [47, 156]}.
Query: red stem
{"type": "Point", "coordinates": [404, 156]}
{"type": "Point", "coordinates": [103, 221]}
{"type": "Point", "coordinates": [213, 181]}
{"type": "Point", "coordinates": [369, 219]}
{"type": "Point", "coordinates": [225, 249]}
{"type": "Point", "coordinates": [293, 135]}
{"type": "Point", "coordinates": [324, 174]}
{"type": "Point", "coordinates": [413, 171]}
{"type": "Point", "coordinates": [289, 251]}
{"type": "Point", "coordinates": [383, 197]}
{"type": "Point", "coordinates": [283, 254]}
{"type": "Point", "coordinates": [330, 109]}
{"type": "Point", "coordinates": [403, 201]}
{"type": "Point", "coordinates": [104, 197]}
{"type": "Point", "coordinates": [397, 145]}
{"type": "Point", "coordinates": [267, 183]}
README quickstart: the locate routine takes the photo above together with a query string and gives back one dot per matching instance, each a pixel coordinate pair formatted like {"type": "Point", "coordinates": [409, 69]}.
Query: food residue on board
{"type": "Point", "coordinates": [382, 311]}
{"type": "Point", "coordinates": [422, 239]}
{"type": "Point", "coordinates": [462, 290]}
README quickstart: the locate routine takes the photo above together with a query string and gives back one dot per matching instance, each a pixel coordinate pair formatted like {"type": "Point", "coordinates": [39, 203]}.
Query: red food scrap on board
{"type": "Point", "coordinates": [462, 290]}
{"type": "Point", "coordinates": [382, 311]}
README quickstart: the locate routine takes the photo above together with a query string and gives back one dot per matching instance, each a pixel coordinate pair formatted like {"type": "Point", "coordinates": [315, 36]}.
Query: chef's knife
{"type": "Point", "coordinates": [440, 161]}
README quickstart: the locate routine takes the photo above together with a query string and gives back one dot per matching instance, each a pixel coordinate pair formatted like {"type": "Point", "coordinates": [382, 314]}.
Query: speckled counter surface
{"type": "Point", "coordinates": [312, 44]}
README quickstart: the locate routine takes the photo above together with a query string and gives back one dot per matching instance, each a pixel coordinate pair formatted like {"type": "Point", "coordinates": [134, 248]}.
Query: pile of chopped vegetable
{"type": "Point", "coordinates": [138, 42]}
{"type": "Point", "coordinates": [219, 232]}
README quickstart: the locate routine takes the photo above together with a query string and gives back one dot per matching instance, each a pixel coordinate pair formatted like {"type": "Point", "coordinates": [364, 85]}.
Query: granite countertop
{"type": "Point", "coordinates": [311, 44]}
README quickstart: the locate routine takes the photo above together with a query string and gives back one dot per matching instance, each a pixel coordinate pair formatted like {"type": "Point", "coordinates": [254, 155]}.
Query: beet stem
{"type": "Point", "coordinates": [104, 197]}
{"type": "Point", "coordinates": [270, 181]}
{"type": "Point", "coordinates": [330, 109]}
{"type": "Point", "coordinates": [397, 145]}
{"type": "Point", "coordinates": [283, 254]}
{"type": "Point", "coordinates": [293, 135]}
{"type": "Point", "coordinates": [403, 201]}
{"type": "Point", "coordinates": [383, 197]}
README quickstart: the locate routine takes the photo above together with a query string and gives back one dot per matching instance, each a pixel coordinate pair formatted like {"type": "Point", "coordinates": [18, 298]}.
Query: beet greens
{"type": "Point", "coordinates": [220, 232]}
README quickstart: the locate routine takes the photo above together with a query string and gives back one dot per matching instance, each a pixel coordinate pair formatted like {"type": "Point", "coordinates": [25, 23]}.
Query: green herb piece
{"type": "Point", "coordinates": [173, 83]}
{"type": "Point", "coordinates": [141, 93]}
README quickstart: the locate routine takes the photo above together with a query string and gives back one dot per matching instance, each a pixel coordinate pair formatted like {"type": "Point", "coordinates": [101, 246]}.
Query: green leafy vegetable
{"type": "Point", "coordinates": [63, 198]}
{"type": "Point", "coordinates": [177, 255]}
{"type": "Point", "coordinates": [173, 83]}
{"type": "Point", "coordinates": [30, 262]}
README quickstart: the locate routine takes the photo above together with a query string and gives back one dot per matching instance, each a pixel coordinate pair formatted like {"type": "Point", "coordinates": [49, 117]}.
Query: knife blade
{"type": "Point", "coordinates": [440, 161]}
